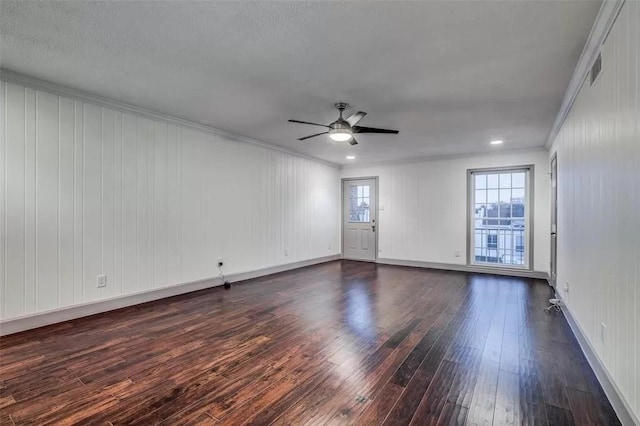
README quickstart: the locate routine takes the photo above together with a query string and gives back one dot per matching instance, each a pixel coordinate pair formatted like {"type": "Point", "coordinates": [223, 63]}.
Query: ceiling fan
{"type": "Point", "coordinates": [342, 130]}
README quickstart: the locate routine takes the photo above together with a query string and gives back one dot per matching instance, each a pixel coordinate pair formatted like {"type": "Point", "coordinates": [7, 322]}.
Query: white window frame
{"type": "Point", "coordinates": [528, 227]}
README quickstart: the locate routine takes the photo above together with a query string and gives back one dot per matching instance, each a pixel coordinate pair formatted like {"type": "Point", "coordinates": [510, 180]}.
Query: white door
{"type": "Point", "coordinates": [359, 208]}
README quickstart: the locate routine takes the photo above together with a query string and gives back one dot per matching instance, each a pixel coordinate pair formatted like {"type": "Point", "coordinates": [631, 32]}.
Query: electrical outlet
{"type": "Point", "coordinates": [329, 246]}
{"type": "Point", "coordinates": [566, 287]}
{"type": "Point", "coordinates": [220, 263]}
{"type": "Point", "coordinates": [603, 333]}
{"type": "Point", "coordinates": [456, 253]}
{"type": "Point", "coordinates": [102, 281]}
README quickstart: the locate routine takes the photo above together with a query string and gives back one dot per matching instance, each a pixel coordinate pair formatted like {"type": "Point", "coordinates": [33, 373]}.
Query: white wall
{"type": "Point", "coordinates": [598, 151]}
{"type": "Point", "coordinates": [425, 206]}
{"type": "Point", "coordinates": [87, 190]}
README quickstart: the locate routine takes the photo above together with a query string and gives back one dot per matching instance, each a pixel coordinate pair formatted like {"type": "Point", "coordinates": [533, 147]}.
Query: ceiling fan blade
{"type": "Point", "coordinates": [307, 122]}
{"type": "Point", "coordinates": [358, 129]}
{"type": "Point", "coordinates": [313, 136]}
{"type": "Point", "coordinates": [353, 120]}
{"type": "Point", "coordinates": [353, 141]}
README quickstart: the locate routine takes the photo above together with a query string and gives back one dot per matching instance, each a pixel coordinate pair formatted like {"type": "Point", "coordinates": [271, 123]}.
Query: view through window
{"type": "Point", "coordinates": [359, 201]}
{"type": "Point", "coordinates": [499, 226]}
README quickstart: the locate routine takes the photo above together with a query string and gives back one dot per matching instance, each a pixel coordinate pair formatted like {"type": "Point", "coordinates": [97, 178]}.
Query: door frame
{"type": "Point", "coordinates": [553, 251]}
{"type": "Point", "coordinates": [377, 210]}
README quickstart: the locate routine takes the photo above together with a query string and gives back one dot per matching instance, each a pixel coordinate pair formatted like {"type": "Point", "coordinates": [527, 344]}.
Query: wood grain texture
{"type": "Point", "coordinates": [338, 343]}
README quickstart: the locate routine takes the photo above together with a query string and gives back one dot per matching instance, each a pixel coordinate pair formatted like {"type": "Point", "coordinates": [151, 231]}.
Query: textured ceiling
{"type": "Point", "coordinates": [449, 75]}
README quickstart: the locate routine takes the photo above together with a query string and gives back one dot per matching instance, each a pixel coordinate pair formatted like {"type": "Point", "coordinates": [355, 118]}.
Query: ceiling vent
{"type": "Point", "coordinates": [596, 68]}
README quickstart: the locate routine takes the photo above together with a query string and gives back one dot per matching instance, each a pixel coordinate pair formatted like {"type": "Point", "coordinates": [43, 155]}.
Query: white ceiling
{"type": "Point", "coordinates": [450, 75]}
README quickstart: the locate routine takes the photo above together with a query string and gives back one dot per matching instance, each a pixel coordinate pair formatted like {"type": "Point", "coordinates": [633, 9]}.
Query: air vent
{"type": "Point", "coordinates": [596, 68]}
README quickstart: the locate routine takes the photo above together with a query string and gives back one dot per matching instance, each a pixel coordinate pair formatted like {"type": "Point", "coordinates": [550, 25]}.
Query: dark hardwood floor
{"type": "Point", "coordinates": [338, 343]}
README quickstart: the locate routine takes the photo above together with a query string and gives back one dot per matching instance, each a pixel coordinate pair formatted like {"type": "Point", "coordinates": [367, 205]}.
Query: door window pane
{"type": "Point", "coordinates": [359, 202]}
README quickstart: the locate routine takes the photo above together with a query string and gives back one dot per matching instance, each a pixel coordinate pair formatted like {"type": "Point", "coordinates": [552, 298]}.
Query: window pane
{"type": "Point", "coordinates": [517, 196]}
{"type": "Point", "coordinates": [505, 180]}
{"type": "Point", "coordinates": [492, 181]}
{"type": "Point", "coordinates": [481, 197]}
{"type": "Point", "coordinates": [359, 191]}
{"type": "Point", "coordinates": [481, 181]}
{"type": "Point", "coordinates": [517, 180]}
{"type": "Point", "coordinates": [505, 196]}
{"type": "Point", "coordinates": [481, 210]}
{"type": "Point", "coordinates": [492, 196]}
{"type": "Point", "coordinates": [366, 190]}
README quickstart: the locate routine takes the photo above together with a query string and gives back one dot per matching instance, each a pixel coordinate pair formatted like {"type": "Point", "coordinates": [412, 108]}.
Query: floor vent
{"type": "Point", "coordinates": [596, 68]}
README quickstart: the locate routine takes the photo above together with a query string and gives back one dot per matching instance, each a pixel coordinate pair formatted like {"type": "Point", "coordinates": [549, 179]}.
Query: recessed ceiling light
{"type": "Point", "coordinates": [498, 142]}
{"type": "Point", "coordinates": [351, 157]}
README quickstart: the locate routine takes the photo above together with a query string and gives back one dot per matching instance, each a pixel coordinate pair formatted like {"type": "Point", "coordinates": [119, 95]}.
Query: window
{"type": "Point", "coordinates": [499, 217]}
{"type": "Point", "coordinates": [359, 203]}
{"type": "Point", "coordinates": [492, 241]}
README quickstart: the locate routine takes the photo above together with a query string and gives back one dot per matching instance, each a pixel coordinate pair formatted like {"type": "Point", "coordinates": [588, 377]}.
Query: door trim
{"type": "Point", "coordinates": [553, 251]}
{"type": "Point", "coordinates": [342, 181]}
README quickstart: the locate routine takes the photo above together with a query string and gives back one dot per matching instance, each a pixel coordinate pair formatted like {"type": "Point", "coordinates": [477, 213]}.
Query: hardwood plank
{"type": "Point", "coordinates": [435, 399]}
{"type": "Point", "coordinates": [584, 408]}
{"type": "Point", "coordinates": [453, 414]}
{"type": "Point", "coordinates": [559, 416]}
{"type": "Point", "coordinates": [507, 408]}
{"type": "Point", "coordinates": [378, 410]}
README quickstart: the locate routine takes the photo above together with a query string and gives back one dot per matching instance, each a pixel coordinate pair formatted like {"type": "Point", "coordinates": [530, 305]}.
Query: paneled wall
{"type": "Point", "coordinates": [87, 190]}
{"type": "Point", "coordinates": [423, 205]}
{"type": "Point", "coordinates": [598, 150]}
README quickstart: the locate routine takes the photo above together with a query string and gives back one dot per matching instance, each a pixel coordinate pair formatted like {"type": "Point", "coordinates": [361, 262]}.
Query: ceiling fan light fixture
{"type": "Point", "coordinates": [340, 135]}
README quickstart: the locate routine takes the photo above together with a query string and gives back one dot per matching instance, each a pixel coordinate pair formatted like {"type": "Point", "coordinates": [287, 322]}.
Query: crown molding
{"type": "Point", "coordinates": [609, 10]}
{"type": "Point", "coordinates": [14, 77]}
{"type": "Point", "coordinates": [428, 158]}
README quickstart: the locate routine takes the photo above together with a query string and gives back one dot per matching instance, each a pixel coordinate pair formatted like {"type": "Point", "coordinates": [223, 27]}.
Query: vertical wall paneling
{"type": "Point", "coordinates": [92, 201]}
{"type": "Point", "coordinates": [78, 203]}
{"type": "Point", "coordinates": [108, 200]}
{"type": "Point", "coordinates": [598, 152]}
{"type": "Point", "coordinates": [3, 196]}
{"type": "Point", "coordinates": [30, 192]}
{"type": "Point", "coordinates": [87, 191]}
{"type": "Point", "coordinates": [15, 199]}
{"type": "Point", "coordinates": [65, 202]}
{"type": "Point", "coordinates": [129, 211]}
{"type": "Point", "coordinates": [47, 178]}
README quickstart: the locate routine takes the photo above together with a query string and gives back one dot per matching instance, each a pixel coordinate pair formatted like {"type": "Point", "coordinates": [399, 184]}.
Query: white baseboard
{"type": "Point", "coordinates": [619, 403]}
{"type": "Point", "coordinates": [27, 322]}
{"type": "Point", "coordinates": [466, 268]}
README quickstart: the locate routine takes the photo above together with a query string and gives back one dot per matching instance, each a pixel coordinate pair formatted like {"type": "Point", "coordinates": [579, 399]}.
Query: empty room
{"type": "Point", "coordinates": [320, 212]}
